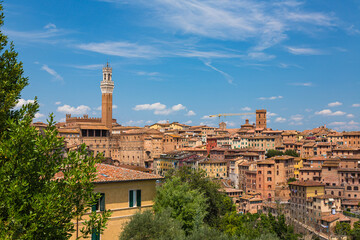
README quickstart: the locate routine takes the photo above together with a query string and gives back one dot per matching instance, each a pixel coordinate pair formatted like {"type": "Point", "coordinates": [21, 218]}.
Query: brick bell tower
{"type": "Point", "coordinates": [107, 88]}
{"type": "Point", "coordinates": [261, 118]}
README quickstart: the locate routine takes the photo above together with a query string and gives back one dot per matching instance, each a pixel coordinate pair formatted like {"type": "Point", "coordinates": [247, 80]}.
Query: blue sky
{"type": "Point", "coordinates": [183, 60]}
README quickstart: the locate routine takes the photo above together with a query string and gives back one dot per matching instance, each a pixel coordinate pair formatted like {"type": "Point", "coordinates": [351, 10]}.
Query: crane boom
{"type": "Point", "coordinates": [230, 114]}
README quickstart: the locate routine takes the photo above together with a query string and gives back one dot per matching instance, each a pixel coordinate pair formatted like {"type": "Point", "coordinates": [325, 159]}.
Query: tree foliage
{"type": "Point", "coordinates": [185, 204]}
{"type": "Point", "coordinates": [253, 226]}
{"type": "Point", "coordinates": [272, 153]}
{"type": "Point", "coordinates": [147, 226]}
{"type": "Point", "coordinates": [42, 187]}
{"type": "Point", "coordinates": [12, 79]}
{"type": "Point", "coordinates": [217, 203]}
{"type": "Point", "coordinates": [342, 228]}
{"type": "Point", "coordinates": [292, 153]}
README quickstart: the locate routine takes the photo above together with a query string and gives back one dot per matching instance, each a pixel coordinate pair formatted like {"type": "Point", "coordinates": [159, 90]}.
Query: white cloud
{"type": "Point", "coordinates": [356, 105]}
{"type": "Point", "coordinates": [227, 76]}
{"type": "Point", "coordinates": [335, 104]}
{"type": "Point", "coordinates": [154, 106]}
{"type": "Point", "coordinates": [162, 121]}
{"type": "Point", "coordinates": [159, 108]}
{"type": "Point", "coordinates": [52, 72]}
{"type": "Point", "coordinates": [350, 115]}
{"type": "Point", "coordinates": [280, 119]}
{"type": "Point", "coordinates": [134, 123]}
{"type": "Point", "coordinates": [121, 49]}
{"type": "Point", "coordinates": [271, 98]}
{"type": "Point", "coordinates": [49, 34]}
{"type": "Point", "coordinates": [38, 115]}
{"type": "Point", "coordinates": [188, 122]}
{"type": "Point", "coordinates": [57, 103]}
{"type": "Point", "coordinates": [296, 117]}
{"type": "Point", "coordinates": [190, 113]}
{"type": "Point", "coordinates": [89, 67]}
{"type": "Point", "coordinates": [308, 110]}
{"type": "Point", "coordinates": [299, 123]}
{"type": "Point", "coordinates": [304, 51]}
{"type": "Point", "coordinates": [328, 112]}
{"type": "Point", "coordinates": [265, 23]}
{"type": "Point", "coordinates": [50, 26]}
{"type": "Point", "coordinates": [246, 109]}
{"type": "Point", "coordinates": [82, 109]}
{"type": "Point", "coordinates": [114, 106]}
{"type": "Point", "coordinates": [151, 74]}
{"type": "Point", "coordinates": [343, 123]}
{"type": "Point", "coordinates": [270, 114]}
{"type": "Point", "coordinates": [22, 102]}
{"type": "Point", "coordinates": [178, 107]}
{"type": "Point", "coordinates": [302, 84]}
{"type": "Point", "coordinates": [206, 117]}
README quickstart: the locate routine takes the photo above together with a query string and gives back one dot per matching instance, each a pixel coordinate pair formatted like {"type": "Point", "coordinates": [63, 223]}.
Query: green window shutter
{"type": "Point", "coordinates": [93, 208]}
{"type": "Point", "coordinates": [94, 235]}
{"type": "Point", "coordinates": [138, 198]}
{"type": "Point", "coordinates": [102, 202]}
{"type": "Point", "coordinates": [131, 198]}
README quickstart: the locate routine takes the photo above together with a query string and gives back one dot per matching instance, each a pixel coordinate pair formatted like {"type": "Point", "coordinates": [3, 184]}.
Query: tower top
{"type": "Point", "coordinates": [107, 84]}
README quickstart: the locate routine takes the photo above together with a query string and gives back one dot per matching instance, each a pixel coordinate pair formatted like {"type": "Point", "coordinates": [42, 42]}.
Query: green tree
{"type": "Point", "coordinates": [272, 153]}
{"type": "Point", "coordinates": [292, 153]}
{"type": "Point", "coordinates": [147, 226]}
{"type": "Point", "coordinates": [12, 79]}
{"type": "Point", "coordinates": [355, 232]}
{"type": "Point", "coordinates": [342, 228]}
{"type": "Point", "coordinates": [207, 233]}
{"type": "Point", "coordinates": [186, 205]}
{"type": "Point", "coordinates": [42, 187]}
{"type": "Point", "coordinates": [217, 203]}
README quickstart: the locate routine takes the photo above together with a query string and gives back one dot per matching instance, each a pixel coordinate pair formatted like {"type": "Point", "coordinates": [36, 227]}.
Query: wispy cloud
{"type": "Point", "coordinates": [280, 120]}
{"type": "Point", "coordinates": [270, 98]}
{"type": "Point", "coordinates": [246, 109]}
{"type": "Point", "coordinates": [89, 67]}
{"type": "Point", "coordinates": [302, 84]}
{"type": "Point", "coordinates": [328, 112]}
{"type": "Point", "coordinates": [151, 74]}
{"type": "Point", "coordinates": [57, 103]}
{"type": "Point", "coordinates": [335, 104]}
{"type": "Point", "coordinates": [121, 49]}
{"type": "Point", "coordinates": [49, 34]}
{"type": "Point", "coordinates": [356, 105]}
{"type": "Point", "coordinates": [351, 125]}
{"type": "Point", "coordinates": [304, 51]}
{"type": "Point", "coordinates": [227, 76]}
{"type": "Point", "coordinates": [52, 72]}
{"type": "Point", "coordinates": [265, 23]}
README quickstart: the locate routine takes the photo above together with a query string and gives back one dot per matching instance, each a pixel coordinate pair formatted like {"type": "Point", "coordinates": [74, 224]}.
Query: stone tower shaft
{"type": "Point", "coordinates": [107, 88]}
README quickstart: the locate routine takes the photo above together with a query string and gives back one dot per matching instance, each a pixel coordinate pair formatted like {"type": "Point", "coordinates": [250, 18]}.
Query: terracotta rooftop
{"type": "Point", "coordinates": [307, 183]}
{"type": "Point", "coordinates": [309, 169]}
{"type": "Point", "coordinates": [333, 217]}
{"type": "Point", "coordinates": [109, 173]}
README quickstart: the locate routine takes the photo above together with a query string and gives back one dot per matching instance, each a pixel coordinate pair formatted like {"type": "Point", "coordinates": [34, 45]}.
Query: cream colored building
{"type": "Point", "coordinates": [124, 192]}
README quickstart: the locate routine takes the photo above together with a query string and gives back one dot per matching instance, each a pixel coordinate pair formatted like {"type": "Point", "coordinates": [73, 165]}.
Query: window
{"type": "Point", "coordinates": [135, 198]}
{"type": "Point", "coordinates": [100, 205]}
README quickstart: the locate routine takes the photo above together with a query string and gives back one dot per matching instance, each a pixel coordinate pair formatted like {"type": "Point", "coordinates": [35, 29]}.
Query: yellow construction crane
{"type": "Point", "coordinates": [230, 114]}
